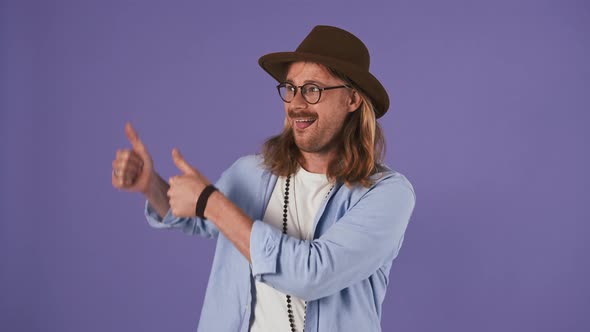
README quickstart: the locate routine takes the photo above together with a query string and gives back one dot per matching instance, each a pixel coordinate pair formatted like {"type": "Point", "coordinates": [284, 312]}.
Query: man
{"type": "Point", "coordinates": [307, 230]}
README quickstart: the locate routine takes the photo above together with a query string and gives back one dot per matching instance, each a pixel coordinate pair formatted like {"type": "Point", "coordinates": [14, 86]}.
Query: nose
{"type": "Point", "coordinates": [298, 101]}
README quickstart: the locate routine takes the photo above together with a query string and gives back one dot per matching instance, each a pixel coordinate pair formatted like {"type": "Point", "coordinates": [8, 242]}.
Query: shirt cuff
{"type": "Point", "coordinates": [264, 249]}
{"type": "Point", "coordinates": [154, 220]}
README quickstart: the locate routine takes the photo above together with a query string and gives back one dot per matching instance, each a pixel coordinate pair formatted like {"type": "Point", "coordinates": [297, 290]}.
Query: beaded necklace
{"type": "Point", "coordinates": [285, 206]}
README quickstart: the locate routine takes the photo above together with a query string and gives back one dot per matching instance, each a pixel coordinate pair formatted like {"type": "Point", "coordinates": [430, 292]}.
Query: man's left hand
{"type": "Point", "coordinates": [186, 188]}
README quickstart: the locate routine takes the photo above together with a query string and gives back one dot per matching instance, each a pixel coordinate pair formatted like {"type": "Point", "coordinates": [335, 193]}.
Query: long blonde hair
{"type": "Point", "coordinates": [361, 146]}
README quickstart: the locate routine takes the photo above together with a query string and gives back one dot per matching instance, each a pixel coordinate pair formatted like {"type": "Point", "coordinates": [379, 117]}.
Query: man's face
{"type": "Point", "coordinates": [316, 127]}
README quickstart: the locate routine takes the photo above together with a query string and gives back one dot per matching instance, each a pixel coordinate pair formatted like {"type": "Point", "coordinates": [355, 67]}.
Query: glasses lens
{"type": "Point", "coordinates": [311, 93]}
{"type": "Point", "coordinates": [286, 91]}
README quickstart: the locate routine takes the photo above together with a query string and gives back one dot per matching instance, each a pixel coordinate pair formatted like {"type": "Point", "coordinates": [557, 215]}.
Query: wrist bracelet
{"type": "Point", "coordinates": [202, 201]}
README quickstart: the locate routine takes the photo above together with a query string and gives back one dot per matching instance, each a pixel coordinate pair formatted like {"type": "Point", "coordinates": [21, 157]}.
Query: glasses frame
{"type": "Point", "coordinates": [304, 87]}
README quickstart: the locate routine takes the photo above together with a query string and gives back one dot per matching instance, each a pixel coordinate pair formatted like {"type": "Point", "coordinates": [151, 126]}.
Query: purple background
{"type": "Point", "coordinates": [489, 120]}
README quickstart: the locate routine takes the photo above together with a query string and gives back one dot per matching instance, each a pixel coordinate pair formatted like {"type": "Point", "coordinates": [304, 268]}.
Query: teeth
{"type": "Point", "coordinates": [305, 120]}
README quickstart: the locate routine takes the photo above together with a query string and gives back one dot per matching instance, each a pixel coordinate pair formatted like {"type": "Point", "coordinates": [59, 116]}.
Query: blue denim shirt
{"type": "Point", "coordinates": [343, 272]}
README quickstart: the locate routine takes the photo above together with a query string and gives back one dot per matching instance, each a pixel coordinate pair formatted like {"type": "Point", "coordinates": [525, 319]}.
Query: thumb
{"type": "Point", "coordinates": [134, 138]}
{"type": "Point", "coordinates": [179, 161]}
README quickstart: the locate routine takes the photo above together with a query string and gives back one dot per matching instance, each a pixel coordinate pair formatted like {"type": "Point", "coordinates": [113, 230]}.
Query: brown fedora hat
{"type": "Point", "coordinates": [337, 49]}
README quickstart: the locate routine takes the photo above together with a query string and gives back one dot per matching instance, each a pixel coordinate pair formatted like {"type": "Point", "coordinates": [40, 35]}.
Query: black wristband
{"type": "Point", "coordinates": [202, 201]}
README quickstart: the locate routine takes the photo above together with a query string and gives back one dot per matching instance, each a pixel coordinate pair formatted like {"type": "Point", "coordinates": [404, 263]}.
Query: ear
{"type": "Point", "coordinates": [354, 101]}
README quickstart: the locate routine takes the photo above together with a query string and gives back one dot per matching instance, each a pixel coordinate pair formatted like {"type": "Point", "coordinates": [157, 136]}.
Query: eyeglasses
{"type": "Point", "coordinates": [311, 92]}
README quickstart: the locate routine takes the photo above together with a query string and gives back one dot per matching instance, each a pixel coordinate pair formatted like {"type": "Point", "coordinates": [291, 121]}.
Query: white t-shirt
{"type": "Point", "coordinates": [307, 192]}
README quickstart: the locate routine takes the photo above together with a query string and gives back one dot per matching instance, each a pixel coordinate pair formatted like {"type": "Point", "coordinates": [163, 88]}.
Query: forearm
{"type": "Point", "coordinates": [157, 195]}
{"type": "Point", "coordinates": [231, 221]}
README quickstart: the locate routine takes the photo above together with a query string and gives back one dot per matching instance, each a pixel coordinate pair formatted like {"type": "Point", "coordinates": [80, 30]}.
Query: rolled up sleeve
{"type": "Point", "coordinates": [154, 219]}
{"type": "Point", "coordinates": [191, 226]}
{"type": "Point", "coordinates": [265, 241]}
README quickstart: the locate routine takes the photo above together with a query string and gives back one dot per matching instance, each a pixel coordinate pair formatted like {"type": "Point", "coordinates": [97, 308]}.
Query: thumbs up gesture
{"type": "Point", "coordinates": [185, 188]}
{"type": "Point", "coordinates": [133, 169]}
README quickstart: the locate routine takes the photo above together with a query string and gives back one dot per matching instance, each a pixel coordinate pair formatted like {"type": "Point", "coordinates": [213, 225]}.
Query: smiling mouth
{"type": "Point", "coordinates": [304, 123]}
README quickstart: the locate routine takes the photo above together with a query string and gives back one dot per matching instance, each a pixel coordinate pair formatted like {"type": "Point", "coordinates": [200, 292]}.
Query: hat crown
{"type": "Point", "coordinates": [336, 43]}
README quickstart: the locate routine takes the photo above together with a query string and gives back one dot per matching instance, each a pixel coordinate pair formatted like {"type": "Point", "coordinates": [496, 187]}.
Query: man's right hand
{"type": "Point", "coordinates": [133, 169]}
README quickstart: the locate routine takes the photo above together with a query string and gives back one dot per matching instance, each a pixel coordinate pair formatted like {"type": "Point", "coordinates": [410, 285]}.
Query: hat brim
{"type": "Point", "coordinates": [276, 64]}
